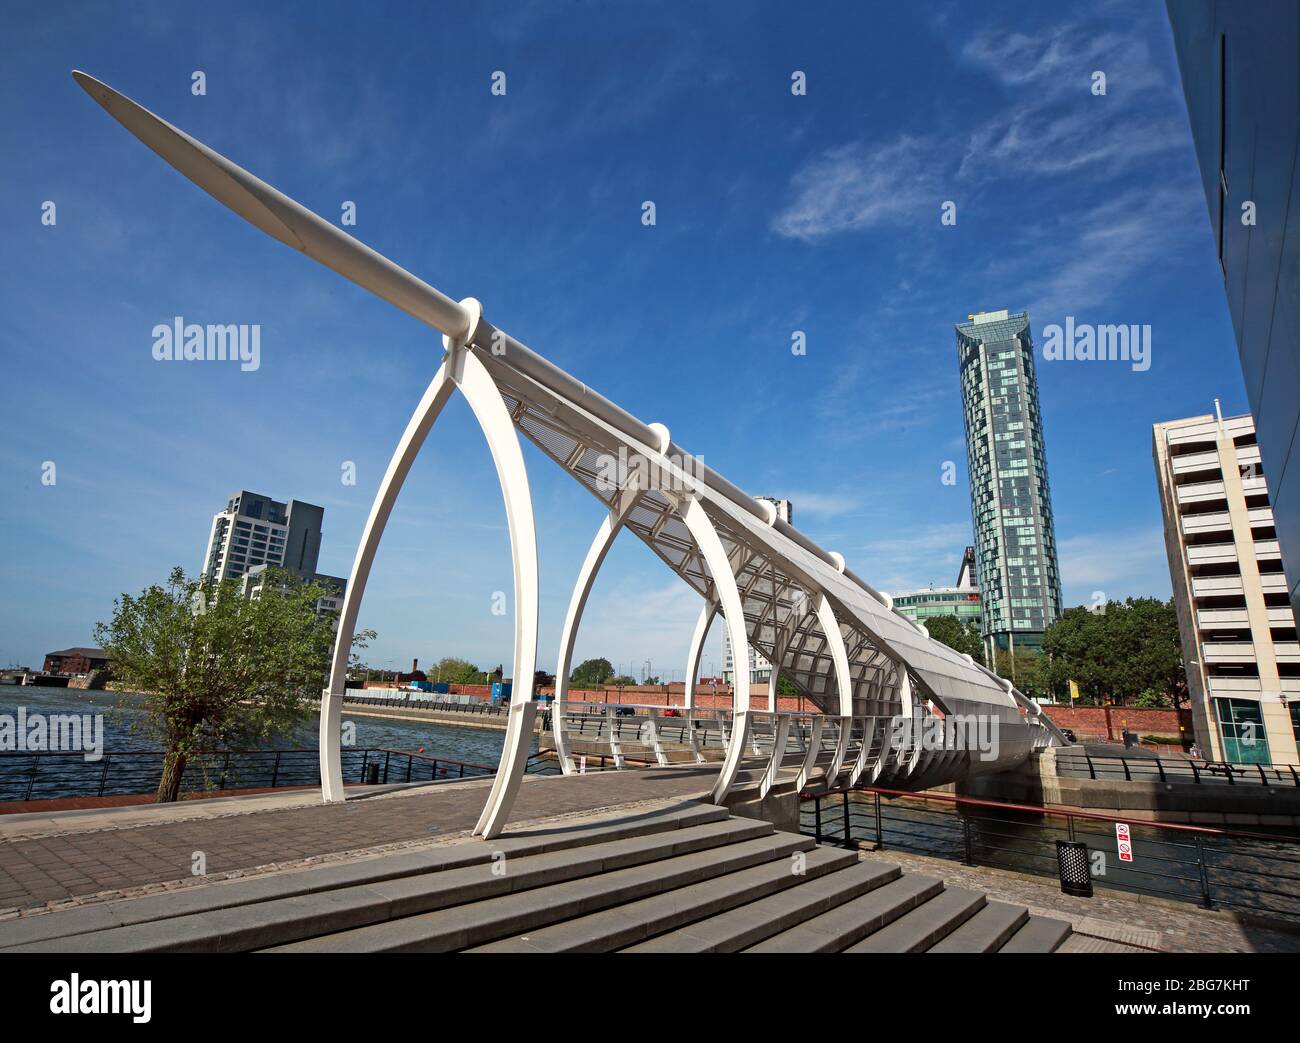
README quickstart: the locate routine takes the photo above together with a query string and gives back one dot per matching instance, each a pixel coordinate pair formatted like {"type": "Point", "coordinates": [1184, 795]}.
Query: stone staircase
{"type": "Point", "coordinates": [688, 878]}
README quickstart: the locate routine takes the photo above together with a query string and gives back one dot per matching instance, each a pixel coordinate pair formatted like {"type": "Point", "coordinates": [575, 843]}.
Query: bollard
{"type": "Point", "coordinates": [372, 775]}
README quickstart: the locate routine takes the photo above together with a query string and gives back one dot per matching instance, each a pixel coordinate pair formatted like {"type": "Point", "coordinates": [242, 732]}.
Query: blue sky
{"type": "Point", "coordinates": [775, 213]}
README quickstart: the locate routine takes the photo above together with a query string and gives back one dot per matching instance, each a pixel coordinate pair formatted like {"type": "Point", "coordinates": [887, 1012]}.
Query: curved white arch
{"type": "Point", "coordinates": [600, 545]}
{"type": "Point", "coordinates": [707, 612]}
{"type": "Point", "coordinates": [725, 590]}
{"type": "Point", "coordinates": [843, 680]}
{"type": "Point", "coordinates": [435, 397]}
{"type": "Point", "coordinates": [485, 400]}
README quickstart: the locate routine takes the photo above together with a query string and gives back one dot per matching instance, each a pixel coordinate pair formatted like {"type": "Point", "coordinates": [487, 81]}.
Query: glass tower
{"type": "Point", "coordinates": [1011, 503]}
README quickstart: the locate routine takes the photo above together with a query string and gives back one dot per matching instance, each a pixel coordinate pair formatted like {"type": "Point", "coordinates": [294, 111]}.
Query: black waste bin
{"type": "Point", "coordinates": [372, 775]}
{"type": "Point", "coordinates": [1073, 865]}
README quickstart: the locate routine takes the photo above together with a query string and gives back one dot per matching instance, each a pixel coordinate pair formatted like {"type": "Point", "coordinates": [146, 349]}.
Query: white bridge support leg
{"type": "Point", "coordinates": [843, 682]}
{"type": "Point", "coordinates": [435, 397]}
{"type": "Point", "coordinates": [600, 545]}
{"type": "Point", "coordinates": [733, 613]}
{"type": "Point", "coordinates": [707, 612]}
{"type": "Point", "coordinates": [499, 429]}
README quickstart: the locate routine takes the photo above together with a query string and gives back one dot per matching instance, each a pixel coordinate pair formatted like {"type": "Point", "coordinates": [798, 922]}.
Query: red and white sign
{"type": "Point", "coordinates": [1124, 842]}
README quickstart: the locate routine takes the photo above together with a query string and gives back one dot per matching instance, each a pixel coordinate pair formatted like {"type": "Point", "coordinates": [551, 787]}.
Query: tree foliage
{"type": "Point", "coordinates": [951, 631]}
{"type": "Point", "coordinates": [592, 673]}
{"type": "Point", "coordinates": [218, 670]}
{"type": "Point", "coordinates": [1127, 652]}
{"type": "Point", "coordinates": [455, 670]}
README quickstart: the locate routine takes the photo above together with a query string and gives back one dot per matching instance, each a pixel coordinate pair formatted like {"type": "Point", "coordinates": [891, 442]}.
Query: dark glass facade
{"type": "Point", "coordinates": [1240, 67]}
{"type": "Point", "coordinates": [1011, 503]}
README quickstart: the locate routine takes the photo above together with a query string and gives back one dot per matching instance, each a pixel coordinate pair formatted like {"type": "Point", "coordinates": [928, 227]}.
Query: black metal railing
{"type": "Point", "coordinates": [1080, 764]}
{"type": "Point", "coordinates": [49, 775]}
{"type": "Point", "coordinates": [424, 701]}
{"type": "Point", "coordinates": [1217, 868]}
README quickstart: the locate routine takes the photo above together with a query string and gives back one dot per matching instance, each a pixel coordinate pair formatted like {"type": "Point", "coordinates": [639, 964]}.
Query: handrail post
{"type": "Point", "coordinates": [103, 775]}
{"type": "Point", "coordinates": [1196, 773]}
{"type": "Point", "coordinates": [1161, 768]}
{"type": "Point", "coordinates": [848, 839]}
{"type": "Point", "coordinates": [1205, 874]}
{"type": "Point", "coordinates": [31, 782]}
{"type": "Point", "coordinates": [1262, 777]}
{"type": "Point", "coordinates": [1228, 768]}
{"type": "Point", "coordinates": [387, 756]}
{"type": "Point", "coordinates": [1092, 772]}
{"type": "Point", "coordinates": [275, 770]}
{"type": "Point", "coordinates": [1128, 777]}
{"type": "Point", "coordinates": [817, 818]}
{"type": "Point", "coordinates": [880, 836]}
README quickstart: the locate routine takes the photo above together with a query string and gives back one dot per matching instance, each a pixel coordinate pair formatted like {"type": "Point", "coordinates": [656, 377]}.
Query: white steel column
{"type": "Point", "coordinates": [600, 545]}
{"type": "Point", "coordinates": [490, 409]}
{"type": "Point", "coordinates": [733, 612]}
{"type": "Point", "coordinates": [435, 397]}
{"type": "Point", "coordinates": [707, 611]}
{"type": "Point", "coordinates": [843, 681]}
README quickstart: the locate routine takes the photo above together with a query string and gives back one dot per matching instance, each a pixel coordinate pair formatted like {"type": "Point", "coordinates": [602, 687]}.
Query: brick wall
{"type": "Point", "coordinates": [1107, 722]}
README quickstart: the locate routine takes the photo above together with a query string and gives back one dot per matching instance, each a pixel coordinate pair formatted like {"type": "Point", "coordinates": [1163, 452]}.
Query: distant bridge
{"type": "Point", "coordinates": [879, 683]}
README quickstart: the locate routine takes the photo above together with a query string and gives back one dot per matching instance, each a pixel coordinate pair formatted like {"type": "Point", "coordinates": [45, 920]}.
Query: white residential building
{"type": "Point", "coordinates": [1234, 614]}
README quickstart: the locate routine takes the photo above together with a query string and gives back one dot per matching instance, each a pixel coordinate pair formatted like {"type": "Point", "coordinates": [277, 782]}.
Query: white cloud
{"type": "Point", "coordinates": [823, 505]}
{"type": "Point", "coordinates": [859, 185]}
{"type": "Point", "coordinates": [1119, 564]}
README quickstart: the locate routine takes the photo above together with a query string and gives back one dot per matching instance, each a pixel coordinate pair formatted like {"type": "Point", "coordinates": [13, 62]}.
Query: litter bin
{"type": "Point", "coordinates": [372, 775]}
{"type": "Point", "coordinates": [1073, 865]}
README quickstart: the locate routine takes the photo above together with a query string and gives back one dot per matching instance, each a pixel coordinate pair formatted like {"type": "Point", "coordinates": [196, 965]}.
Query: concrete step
{"type": "Point", "coordinates": [279, 920]}
{"type": "Point", "coordinates": [837, 928]}
{"type": "Point", "coordinates": [1041, 934]}
{"type": "Point", "coordinates": [754, 921]}
{"type": "Point", "coordinates": [986, 931]}
{"type": "Point", "coordinates": [923, 926]}
{"type": "Point", "coordinates": [478, 922]}
{"type": "Point", "coordinates": [625, 925]}
{"type": "Point", "coordinates": [229, 893]}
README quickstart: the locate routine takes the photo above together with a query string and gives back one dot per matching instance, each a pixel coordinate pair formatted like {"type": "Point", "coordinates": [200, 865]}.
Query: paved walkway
{"type": "Point", "coordinates": [49, 860]}
{"type": "Point", "coordinates": [1110, 921]}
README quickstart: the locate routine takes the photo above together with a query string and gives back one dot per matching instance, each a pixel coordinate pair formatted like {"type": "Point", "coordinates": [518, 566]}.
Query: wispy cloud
{"type": "Point", "coordinates": [859, 185]}
{"type": "Point", "coordinates": [1118, 564]}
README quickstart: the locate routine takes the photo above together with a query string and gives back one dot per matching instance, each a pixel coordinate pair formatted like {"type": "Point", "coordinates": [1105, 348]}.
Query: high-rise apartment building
{"type": "Point", "coordinates": [1011, 503]}
{"type": "Point", "coordinates": [1241, 79]}
{"type": "Point", "coordinates": [1234, 617]}
{"type": "Point", "coordinates": [961, 600]}
{"type": "Point", "coordinates": [760, 670]}
{"type": "Point", "coordinates": [256, 530]}
{"type": "Point", "coordinates": [255, 533]}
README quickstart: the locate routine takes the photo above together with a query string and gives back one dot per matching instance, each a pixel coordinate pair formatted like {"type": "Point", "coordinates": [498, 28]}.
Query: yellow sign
{"type": "Point", "coordinates": [1074, 690]}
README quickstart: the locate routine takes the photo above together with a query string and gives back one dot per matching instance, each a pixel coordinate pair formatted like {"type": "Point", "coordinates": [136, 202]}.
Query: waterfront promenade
{"type": "Point", "coordinates": [81, 859]}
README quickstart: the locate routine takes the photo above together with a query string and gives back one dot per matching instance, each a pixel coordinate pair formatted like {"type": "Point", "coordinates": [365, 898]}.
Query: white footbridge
{"type": "Point", "coordinates": [893, 707]}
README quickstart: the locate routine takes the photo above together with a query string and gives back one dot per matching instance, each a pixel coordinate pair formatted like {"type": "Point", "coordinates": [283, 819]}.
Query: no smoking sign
{"type": "Point", "coordinates": [1124, 842]}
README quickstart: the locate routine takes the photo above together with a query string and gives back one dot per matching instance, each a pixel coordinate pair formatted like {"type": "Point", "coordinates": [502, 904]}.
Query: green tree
{"type": "Point", "coordinates": [592, 673]}
{"type": "Point", "coordinates": [455, 670]}
{"type": "Point", "coordinates": [218, 669]}
{"type": "Point", "coordinates": [784, 686]}
{"type": "Point", "coordinates": [621, 681]}
{"type": "Point", "coordinates": [951, 631]}
{"type": "Point", "coordinates": [1128, 648]}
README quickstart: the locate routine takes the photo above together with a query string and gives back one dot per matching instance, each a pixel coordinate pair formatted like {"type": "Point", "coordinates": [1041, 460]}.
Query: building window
{"type": "Point", "coordinates": [1241, 728]}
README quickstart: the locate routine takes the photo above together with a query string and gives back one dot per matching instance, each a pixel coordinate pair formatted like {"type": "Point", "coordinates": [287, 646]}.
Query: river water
{"type": "Point", "coordinates": [72, 776]}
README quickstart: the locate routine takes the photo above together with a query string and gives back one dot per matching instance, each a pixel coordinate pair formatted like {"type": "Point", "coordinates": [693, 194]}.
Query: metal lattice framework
{"type": "Point", "coordinates": [864, 667]}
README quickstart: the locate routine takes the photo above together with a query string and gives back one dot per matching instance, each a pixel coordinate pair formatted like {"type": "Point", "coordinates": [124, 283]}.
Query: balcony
{"type": "Point", "coordinates": [1281, 617]}
{"type": "Point", "coordinates": [1212, 554]}
{"type": "Point", "coordinates": [1208, 461]}
{"type": "Point", "coordinates": [1233, 686]}
{"type": "Point", "coordinates": [1287, 651]}
{"type": "Point", "coordinates": [1273, 583]}
{"type": "Point", "coordinates": [1228, 652]}
{"type": "Point", "coordinates": [1216, 586]}
{"type": "Point", "coordinates": [1267, 550]}
{"type": "Point", "coordinates": [1196, 524]}
{"type": "Point", "coordinates": [1222, 618]}
{"type": "Point", "coordinates": [1201, 492]}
